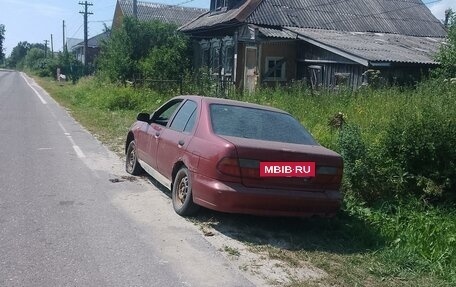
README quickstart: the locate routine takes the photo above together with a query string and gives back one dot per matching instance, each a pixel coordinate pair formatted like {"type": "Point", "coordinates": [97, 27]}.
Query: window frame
{"type": "Point", "coordinates": [155, 118]}
{"type": "Point", "coordinates": [220, 5]}
{"type": "Point", "coordinates": [283, 69]}
{"type": "Point", "coordinates": [184, 130]}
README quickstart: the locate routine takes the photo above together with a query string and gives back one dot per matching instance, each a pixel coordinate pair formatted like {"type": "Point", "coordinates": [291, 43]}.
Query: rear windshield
{"type": "Point", "coordinates": [243, 122]}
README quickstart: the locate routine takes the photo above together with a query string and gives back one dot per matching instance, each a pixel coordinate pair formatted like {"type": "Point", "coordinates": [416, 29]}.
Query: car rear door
{"type": "Point", "coordinates": [175, 139]}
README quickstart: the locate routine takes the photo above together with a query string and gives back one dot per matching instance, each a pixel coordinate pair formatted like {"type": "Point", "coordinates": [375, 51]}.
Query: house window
{"type": "Point", "coordinates": [275, 69]}
{"type": "Point", "coordinates": [215, 56]}
{"type": "Point", "coordinates": [205, 53]}
{"type": "Point", "coordinates": [217, 5]}
{"type": "Point", "coordinates": [228, 55]}
{"type": "Point", "coordinates": [228, 60]}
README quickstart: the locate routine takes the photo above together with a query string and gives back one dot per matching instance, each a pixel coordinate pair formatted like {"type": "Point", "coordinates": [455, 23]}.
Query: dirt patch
{"type": "Point", "coordinates": [255, 262]}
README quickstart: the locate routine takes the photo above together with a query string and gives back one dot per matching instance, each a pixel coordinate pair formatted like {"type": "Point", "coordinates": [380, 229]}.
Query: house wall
{"type": "Point", "coordinates": [240, 66]}
{"type": "Point", "coordinates": [92, 54]}
{"type": "Point", "coordinates": [319, 67]}
{"type": "Point", "coordinates": [285, 49]}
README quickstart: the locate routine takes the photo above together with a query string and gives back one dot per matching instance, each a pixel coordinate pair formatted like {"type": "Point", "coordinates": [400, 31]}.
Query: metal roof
{"type": "Point", "coordinates": [210, 19]}
{"type": "Point", "coordinates": [364, 47]}
{"type": "Point", "coordinates": [72, 42]}
{"type": "Point", "coordinates": [95, 41]}
{"type": "Point", "coordinates": [172, 14]}
{"type": "Point", "coordinates": [406, 17]}
{"type": "Point", "coordinates": [275, 33]}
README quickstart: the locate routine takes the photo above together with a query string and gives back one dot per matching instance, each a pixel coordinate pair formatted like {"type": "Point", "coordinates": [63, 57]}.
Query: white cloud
{"type": "Point", "coordinates": [438, 9]}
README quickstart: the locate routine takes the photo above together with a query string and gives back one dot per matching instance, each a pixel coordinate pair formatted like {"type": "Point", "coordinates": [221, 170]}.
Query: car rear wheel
{"type": "Point", "coordinates": [132, 165]}
{"type": "Point", "coordinates": [182, 194]}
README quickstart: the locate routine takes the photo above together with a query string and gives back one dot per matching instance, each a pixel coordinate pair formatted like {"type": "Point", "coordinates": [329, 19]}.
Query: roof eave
{"type": "Point", "coordinates": [336, 51]}
{"type": "Point", "coordinates": [241, 16]}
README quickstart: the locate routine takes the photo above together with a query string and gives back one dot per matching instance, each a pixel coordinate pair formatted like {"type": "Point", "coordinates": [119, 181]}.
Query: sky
{"type": "Point", "coordinates": [35, 20]}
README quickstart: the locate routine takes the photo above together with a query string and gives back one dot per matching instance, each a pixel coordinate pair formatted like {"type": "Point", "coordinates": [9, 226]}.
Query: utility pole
{"type": "Point", "coordinates": [86, 14]}
{"type": "Point", "coordinates": [52, 47]}
{"type": "Point", "coordinates": [448, 14]}
{"type": "Point", "coordinates": [135, 9]}
{"type": "Point", "coordinates": [63, 39]}
{"type": "Point", "coordinates": [45, 48]}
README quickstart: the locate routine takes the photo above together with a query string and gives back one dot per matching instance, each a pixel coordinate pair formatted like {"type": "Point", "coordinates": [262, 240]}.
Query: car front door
{"type": "Point", "coordinates": [175, 139]}
{"type": "Point", "coordinates": [160, 119]}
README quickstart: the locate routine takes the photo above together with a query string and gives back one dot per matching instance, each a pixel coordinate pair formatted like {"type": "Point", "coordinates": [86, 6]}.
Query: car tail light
{"type": "Point", "coordinates": [334, 174]}
{"type": "Point", "coordinates": [237, 167]}
{"type": "Point", "coordinates": [331, 170]}
{"type": "Point", "coordinates": [229, 166]}
{"type": "Point", "coordinates": [250, 168]}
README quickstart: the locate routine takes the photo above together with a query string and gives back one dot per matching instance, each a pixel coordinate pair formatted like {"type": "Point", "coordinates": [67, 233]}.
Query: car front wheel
{"type": "Point", "coordinates": [182, 194]}
{"type": "Point", "coordinates": [132, 165]}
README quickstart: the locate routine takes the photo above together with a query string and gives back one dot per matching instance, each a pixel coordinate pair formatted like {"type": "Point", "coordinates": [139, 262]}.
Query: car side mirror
{"type": "Point", "coordinates": [143, 117]}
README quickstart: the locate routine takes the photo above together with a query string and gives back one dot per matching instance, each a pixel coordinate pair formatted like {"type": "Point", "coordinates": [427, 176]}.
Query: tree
{"type": "Point", "coordinates": [18, 54]}
{"type": "Point", "coordinates": [2, 38]}
{"type": "Point", "coordinates": [34, 57]}
{"type": "Point", "coordinates": [145, 49]}
{"type": "Point", "coordinates": [447, 53]}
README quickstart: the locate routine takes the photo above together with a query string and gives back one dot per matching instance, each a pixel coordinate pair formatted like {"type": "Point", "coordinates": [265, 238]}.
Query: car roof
{"type": "Point", "coordinates": [212, 100]}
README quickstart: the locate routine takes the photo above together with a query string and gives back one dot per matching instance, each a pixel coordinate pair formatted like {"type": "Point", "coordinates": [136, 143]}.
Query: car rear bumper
{"type": "Point", "coordinates": [236, 198]}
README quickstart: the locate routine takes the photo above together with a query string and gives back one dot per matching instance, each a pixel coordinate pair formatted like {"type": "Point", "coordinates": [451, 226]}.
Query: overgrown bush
{"type": "Point", "coordinates": [423, 145]}
{"type": "Point", "coordinates": [447, 53]}
{"type": "Point", "coordinates": [144, 50]}
{"type": "Point", "coordinates": [357, 163]}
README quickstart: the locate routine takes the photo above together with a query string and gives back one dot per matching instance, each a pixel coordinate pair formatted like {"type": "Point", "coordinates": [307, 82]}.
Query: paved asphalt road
{"type": "Point", "coordinates": [64, 223]}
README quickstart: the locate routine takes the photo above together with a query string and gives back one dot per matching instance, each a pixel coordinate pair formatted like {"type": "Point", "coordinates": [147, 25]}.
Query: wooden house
{"type": "Point", "coordinates": [323, 42]}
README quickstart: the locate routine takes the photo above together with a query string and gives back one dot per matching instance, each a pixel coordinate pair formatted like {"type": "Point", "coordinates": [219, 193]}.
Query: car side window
{"type": "Point", "coordinates": [185, 117]}
{"type": "Point", "coordinates": [163, 115]}
{"type": "Point", "coordinates": [191, 123]}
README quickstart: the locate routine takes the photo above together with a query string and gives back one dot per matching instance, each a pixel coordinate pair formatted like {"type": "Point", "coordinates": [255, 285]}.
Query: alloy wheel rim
{"type": "Point", "coordinates": [182, 190]}
{"type": "Point", "coordinates": [132, 159]}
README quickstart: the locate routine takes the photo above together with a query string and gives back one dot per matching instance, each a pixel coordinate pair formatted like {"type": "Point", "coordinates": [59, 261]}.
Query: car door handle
{"type": "Point", "coordinates": [181, 143]}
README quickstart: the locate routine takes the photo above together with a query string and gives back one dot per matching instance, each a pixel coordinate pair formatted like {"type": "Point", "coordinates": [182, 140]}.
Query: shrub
{"type": "Point", "coordinates": [363, 173]}
{"type": "Point", "coordinates": [144, 49]}
{"type": "Point", "coordinates": [423, 145]}
{"type": "Point", "coordinates": [447, 53]}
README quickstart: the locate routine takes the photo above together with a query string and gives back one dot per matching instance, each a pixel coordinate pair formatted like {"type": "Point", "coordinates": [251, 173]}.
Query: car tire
{"type": "Point", "coordinates": [181, 194]}
{"type": "Point", "coordinates": [132, 165]}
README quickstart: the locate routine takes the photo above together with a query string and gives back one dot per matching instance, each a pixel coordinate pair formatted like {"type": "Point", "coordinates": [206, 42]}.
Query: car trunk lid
{"type": "Point", "coordinates": [252, 152]}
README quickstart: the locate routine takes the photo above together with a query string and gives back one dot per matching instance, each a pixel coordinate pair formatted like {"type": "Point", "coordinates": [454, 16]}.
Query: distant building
{"type": "Point", "coordinates": [71, 42]}
{"type": "Point", "coordinates": [325, 43]}
{"type": "Point", "coordinates": [93, 45]}
{"type": "Point", "coordinates": [147, 11]}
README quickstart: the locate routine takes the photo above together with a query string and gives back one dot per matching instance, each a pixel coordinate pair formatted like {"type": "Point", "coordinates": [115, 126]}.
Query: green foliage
{"type": "Point", "coordinates": [2, 38]}
{"type": "Point", "coordinates": [34, 59]}
{"type": "Point", "coordinates": [447, 53]}
{"type": "Point", "coordinates": [361, 172]}
{"type": "Point", "coordinates": [423, 145]}
{"type": "Point", "coordinates": [145, 50]}
{"type": "Point", "coordinates": [18, 54]}
{"type": "Point", "coordinates": [420, 238]}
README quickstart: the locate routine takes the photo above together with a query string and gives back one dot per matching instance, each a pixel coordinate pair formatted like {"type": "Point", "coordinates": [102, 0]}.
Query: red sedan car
{"type": "Point", "coordinates": [234, 157]}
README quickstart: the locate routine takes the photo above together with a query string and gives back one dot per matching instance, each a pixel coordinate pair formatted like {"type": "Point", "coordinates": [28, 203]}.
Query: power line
{"type": "Point", "coordinates": [101, 21]}
{"type": "Point", "coordinates": [182, 3]}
